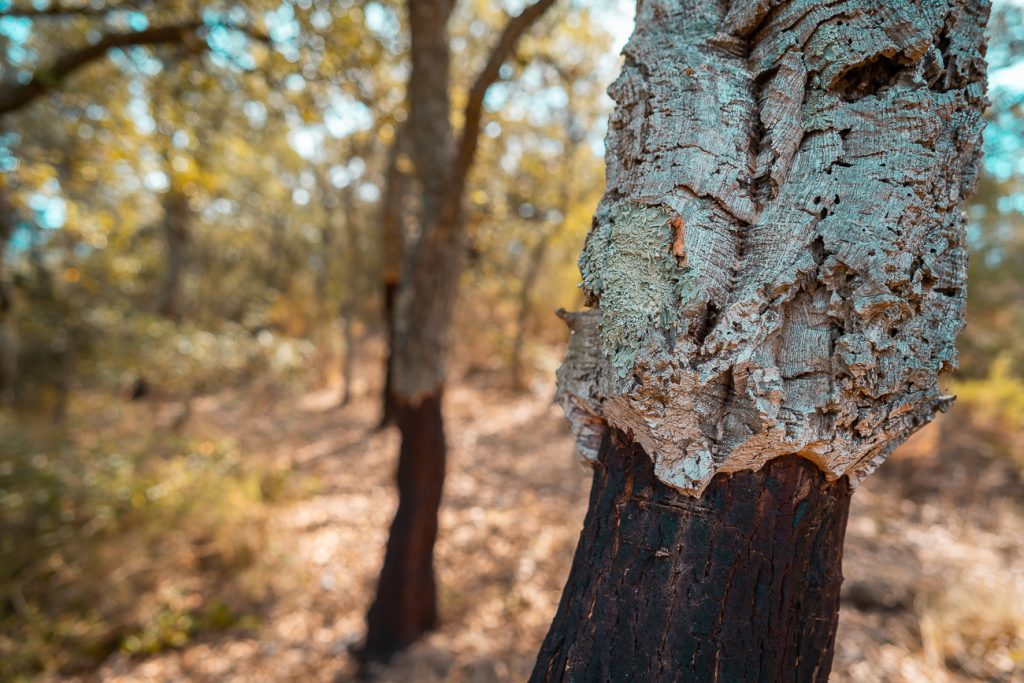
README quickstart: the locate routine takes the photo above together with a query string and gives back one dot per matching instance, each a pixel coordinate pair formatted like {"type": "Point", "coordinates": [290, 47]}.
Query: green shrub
{"type": "Point", "coordinates": [134, 540]}
{"type": "Point", "coordinates": [999, 397]}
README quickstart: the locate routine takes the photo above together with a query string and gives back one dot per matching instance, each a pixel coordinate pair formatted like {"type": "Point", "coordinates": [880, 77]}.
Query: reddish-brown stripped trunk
{"type": "Point", "coordinates": [387, 410]}
{"type": "Point", "coordinates": [741, 584]}
{"type": "Point", "coordinates": [406, 602]}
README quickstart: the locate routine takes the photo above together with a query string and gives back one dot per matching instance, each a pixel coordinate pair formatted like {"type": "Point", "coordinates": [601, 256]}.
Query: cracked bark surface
{"type": "Point", "coordinates": [741, 585]}
{"type": "Point", "coordinates": [778, 265]}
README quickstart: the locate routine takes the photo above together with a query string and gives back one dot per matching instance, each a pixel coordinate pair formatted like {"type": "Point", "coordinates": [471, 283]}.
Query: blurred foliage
{"type": "Point", "coordinates": [998, 397]}
{"type": "Point", "coordinates": [991, 375]}
{"type": "Point", "coordinates": [995, 318]}
{"type": "Point", "coordinates": [105, 540]}
{"type": "Point", "coordinates": [231, 184]}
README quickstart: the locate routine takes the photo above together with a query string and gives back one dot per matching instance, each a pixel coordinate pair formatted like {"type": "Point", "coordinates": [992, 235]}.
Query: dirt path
{"type": "Point", "coordinates": [927, 534]}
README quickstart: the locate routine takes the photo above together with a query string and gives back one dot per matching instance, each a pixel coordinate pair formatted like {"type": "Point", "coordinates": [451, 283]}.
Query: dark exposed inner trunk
{"type": "Point", "coordinates": [405, 606]}
{"type": "Point", "coordinates": [741, 584]}
{"type": "Point", "coordinates": [387, 413]}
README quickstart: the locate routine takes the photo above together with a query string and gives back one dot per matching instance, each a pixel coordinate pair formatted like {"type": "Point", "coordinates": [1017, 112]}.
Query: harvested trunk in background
{"type": "Point", "coordinates": [8, 332]}
{"type": "Point", "coordinates": [347, 311]}
{"type": "Point", "coordinates": [387, 408]}
{"type": "Point", "coordinates": [177, 215]}
{"type": "Point", "coordinates": [404, 607]}
{"type": "Point", "coordinates": [425, 303]}
{"type": "Point", "coordinates": [393, 213]}
{"type": "Point", "coordinates": [777, 270]}
{"type": "Point", "coordinates": [741, 584]}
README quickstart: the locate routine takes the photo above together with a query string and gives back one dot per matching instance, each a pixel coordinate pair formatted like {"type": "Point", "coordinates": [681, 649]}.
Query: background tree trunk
{"type": "Point", "coordinates": [393, 214]}
{"type": "Point", "coordinates": [739, 585]}
{"type": "Point", "coordinates": [525, 306]}
{"type": "Point", "coordinates": [405, 604]}
{"type": "Point", "coordinates": [348, 308]}
{"type": "Point", "coordinates": [8, 332]}
{"type": "Point", "coordinates": [423, 315]}
{"type": "Point", "coordinates": [175, 228]}
{"type": "Point", "coordinates": [540, 249]}
{"type": "Point", "coordinates": [325, 269]}
{"type": "Point", "coordinates": [778, 273]}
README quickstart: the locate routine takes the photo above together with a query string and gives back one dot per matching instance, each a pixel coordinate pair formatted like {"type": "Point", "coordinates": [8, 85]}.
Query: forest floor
{"type": "Point", "coordinates": [934, 562]}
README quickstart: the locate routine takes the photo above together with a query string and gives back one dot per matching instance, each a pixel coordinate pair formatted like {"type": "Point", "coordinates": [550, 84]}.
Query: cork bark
{"type": "Point", "coordinates": [778, 264]}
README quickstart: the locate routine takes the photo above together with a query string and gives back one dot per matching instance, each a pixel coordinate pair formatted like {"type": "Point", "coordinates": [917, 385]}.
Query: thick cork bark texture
{"type": "Point", "coordinates": [778, 265]}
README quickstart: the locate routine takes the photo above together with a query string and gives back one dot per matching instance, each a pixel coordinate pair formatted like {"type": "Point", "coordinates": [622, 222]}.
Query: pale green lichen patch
{"type": "Point", "coordinates": [628, 265]}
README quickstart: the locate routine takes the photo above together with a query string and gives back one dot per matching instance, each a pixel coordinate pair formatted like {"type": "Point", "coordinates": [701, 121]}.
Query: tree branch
{"type": "Point", "coordinates": [15, 96]}
{"type": "Point", "coordinates": [514, 30]}
{"type": "Point", "coordinates": [60, 10]}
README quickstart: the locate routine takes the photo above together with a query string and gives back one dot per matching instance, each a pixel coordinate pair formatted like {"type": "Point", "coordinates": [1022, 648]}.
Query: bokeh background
{"type": "Point", "coordinates": [192, 485]}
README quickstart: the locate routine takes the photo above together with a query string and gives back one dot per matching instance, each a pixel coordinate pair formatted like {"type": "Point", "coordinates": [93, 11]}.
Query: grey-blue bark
{"type": "Point", "coordinates": [778, 265]}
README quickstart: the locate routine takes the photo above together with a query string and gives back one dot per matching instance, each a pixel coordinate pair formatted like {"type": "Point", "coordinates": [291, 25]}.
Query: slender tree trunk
{"type": "Point", "coordinates": [8, 332]}
{"type": "Point", "coordinates": [525, 307]}
{"type": "Point", "coordinates": [393, 212]}
{"type": "Point", "coordinates": [323, 324]}
{"type": "Point", "coordinates": [176, 233]}
{"type": "Point", "coordinates": [405, 606]}
{"type": "Point", "coordinates": [741, 584]}
{"type": "Point", "coordinates": [348, 353]}
{"type": "Point", "coordinates": [540, 249]}
{"type": "Point", "coordinates": [777, 272]}
{"type": "Point", "coordinates": [353, 286]}
{"type": "Point", "coordinates": [66, 364]}
{"type": "Point", "coordinates": [321, 283]}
